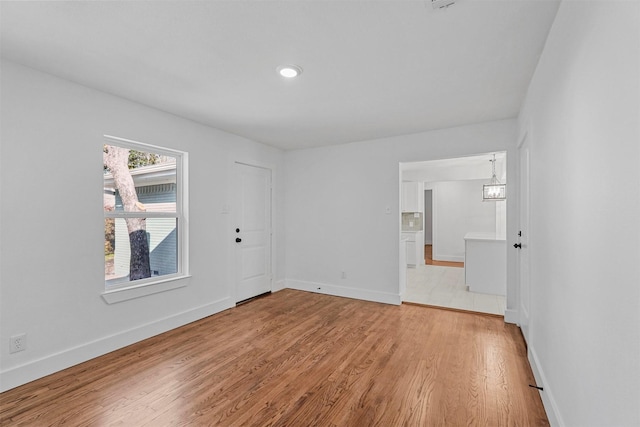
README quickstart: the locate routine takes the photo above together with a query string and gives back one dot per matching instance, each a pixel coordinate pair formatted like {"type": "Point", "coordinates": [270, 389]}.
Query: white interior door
{"type": "Point", "coordinates": [253, 231]}
{"type": "Point", "coordinates": [524, 268]}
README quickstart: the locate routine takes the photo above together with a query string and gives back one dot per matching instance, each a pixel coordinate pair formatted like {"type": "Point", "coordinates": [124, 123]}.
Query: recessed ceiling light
{"type": "Point", "coordinates": [289, 71]}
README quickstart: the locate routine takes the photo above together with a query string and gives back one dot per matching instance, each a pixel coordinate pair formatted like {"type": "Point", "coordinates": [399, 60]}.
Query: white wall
{"type": "Point", "coordinates": [458, 210]}
{"type": "Point", "coordinates": [52, 259]}
{"type": "Point", "coordinates": [336, 203]}
{"type": "Point", "coordinates": [428, 217]}
{"type": "Point", "coordinates": [582, 113]}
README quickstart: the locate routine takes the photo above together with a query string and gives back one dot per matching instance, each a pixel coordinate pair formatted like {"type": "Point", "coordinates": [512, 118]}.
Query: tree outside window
{"type": "Point", "coordinates": [142, 213]}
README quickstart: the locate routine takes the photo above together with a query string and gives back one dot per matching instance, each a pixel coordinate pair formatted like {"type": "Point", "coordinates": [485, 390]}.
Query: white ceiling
{"type": "Point", "coordinates": [372, 69]}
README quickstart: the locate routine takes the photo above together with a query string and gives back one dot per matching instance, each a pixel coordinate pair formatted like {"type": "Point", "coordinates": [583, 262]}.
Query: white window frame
{"type": "Point", "coordinates": [138, 288]}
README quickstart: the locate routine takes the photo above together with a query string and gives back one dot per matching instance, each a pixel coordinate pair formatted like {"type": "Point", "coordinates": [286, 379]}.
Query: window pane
{"type": "Point", "coordinates": [109, 240]}
{"type": "Point", "coordinates": [151, 198]}
{"type": "Point", "coordinates": [157, 237]}
{"type": "Point", "coordinates": [148, 181]}
{"type": "Point", "coordinates": [142, 212]}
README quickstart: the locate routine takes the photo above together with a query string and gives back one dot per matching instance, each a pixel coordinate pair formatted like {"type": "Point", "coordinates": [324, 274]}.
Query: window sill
{"type": "Point", "coordinates": [125, 294]}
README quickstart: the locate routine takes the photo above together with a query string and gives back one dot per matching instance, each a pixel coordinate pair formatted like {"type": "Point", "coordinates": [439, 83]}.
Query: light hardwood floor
{"type": "Point", "coordinates": [299, 359]}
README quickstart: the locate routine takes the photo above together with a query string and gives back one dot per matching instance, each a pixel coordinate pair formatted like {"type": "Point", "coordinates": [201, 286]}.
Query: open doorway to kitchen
{"type": "Point", "coordinates": [428, 234]}
{"type": "Point", "coordinates": [443, 213]}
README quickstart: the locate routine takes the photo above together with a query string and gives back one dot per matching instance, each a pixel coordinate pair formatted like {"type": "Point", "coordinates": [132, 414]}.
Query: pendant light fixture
{"type": "Point", "coordinates": [494, 191]}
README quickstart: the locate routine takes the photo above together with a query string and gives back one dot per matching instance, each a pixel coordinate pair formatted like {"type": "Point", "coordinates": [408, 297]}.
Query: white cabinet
{"type": "Point", "coordinates": [485, 264]}
{"type": "Point", "coordinates": [412, 199]}
{"type": "Point", "coordinates": [414, 247]}
{"type": "Point", "coordinates": [411, 253]}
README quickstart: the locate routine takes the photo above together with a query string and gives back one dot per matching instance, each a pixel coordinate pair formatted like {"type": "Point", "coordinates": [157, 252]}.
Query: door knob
{"type": "Point", "coordinates": [518, 245]}
{"type": "Point", "coordinates": [238, 240]}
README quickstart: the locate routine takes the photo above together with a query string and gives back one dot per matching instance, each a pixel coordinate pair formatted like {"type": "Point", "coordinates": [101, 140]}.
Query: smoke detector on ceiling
{"type": "Point", "coordinates": [441, 4]}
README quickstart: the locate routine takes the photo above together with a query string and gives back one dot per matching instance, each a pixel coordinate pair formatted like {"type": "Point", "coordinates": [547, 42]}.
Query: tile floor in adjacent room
{"type": "Point", "coordinates": [445, 287]}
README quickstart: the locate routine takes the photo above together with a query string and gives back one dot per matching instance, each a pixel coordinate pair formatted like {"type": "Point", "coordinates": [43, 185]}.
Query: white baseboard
{"type": "Point", "coordinates": [278, 285]}
{"type": "Point", "coordinates": [343, 291]}
{"type": "Point", "coordinates": [452, 258]}
{"type": "Point", "coordinates": [33, 370]}
{"type": "Point", "coordinates": [511, 316]}
{"type": "Point", "coordinates": [548, 400]}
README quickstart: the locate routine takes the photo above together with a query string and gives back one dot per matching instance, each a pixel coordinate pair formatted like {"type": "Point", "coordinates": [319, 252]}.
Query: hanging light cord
{"type": "Point", "coordinates": [494, 179]}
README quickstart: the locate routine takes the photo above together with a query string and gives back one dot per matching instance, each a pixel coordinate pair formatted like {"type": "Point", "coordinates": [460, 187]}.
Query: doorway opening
{"type": "Point", "coordinates": [428, 234]}
{"type": "Point", "coordinates": [459, 240]}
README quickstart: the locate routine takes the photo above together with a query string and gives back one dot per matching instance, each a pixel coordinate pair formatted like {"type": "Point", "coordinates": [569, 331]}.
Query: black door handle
{"type": "Point", "coordinates": [238, 240]}
{"type": "Point", "coordinates": [518, 245]}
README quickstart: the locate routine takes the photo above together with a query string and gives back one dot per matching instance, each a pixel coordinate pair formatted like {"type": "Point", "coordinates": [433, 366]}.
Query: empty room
{"type": "Point", "coordinates": [256, 172]}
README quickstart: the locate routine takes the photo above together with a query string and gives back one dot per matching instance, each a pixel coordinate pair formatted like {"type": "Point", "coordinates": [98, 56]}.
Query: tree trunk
{"type": "Point", "coordinates": [117, 160]}
{"type": "Point", "coordinates": [139, 266]}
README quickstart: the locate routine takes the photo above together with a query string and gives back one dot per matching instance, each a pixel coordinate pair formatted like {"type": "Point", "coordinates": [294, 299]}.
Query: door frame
{"type": "Point", "coordinates": [230, 210]}
{"type": "Point", "coordinates": [524, 313]}
{"type": "Point", "coordinates": [510, 315]}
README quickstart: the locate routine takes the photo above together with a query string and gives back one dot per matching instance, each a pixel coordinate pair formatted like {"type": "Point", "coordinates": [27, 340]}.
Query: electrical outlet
{"type": "Point", "coordinates": [18, 343]}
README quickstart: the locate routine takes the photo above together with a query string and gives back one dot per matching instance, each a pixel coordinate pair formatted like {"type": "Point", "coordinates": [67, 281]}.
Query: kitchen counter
{"type": "Point", "coordinates": [485, 263]}
{"type": "Point", "coordinates": [484, 236]}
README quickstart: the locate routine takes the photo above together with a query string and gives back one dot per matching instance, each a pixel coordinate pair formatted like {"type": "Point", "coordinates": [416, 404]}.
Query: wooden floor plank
{"type": "Point", "coordinates": [296, 358]}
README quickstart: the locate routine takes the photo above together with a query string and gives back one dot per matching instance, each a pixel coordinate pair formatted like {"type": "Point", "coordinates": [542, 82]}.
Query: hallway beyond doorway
{"type": "Point", "coordinates": [428, 259]}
